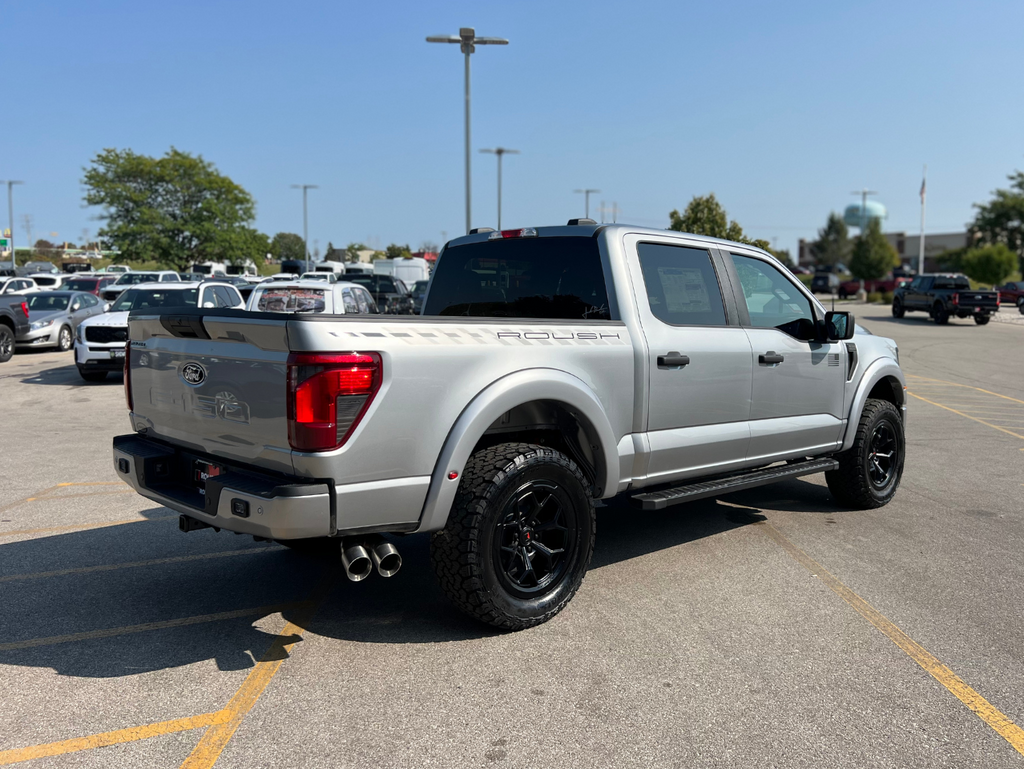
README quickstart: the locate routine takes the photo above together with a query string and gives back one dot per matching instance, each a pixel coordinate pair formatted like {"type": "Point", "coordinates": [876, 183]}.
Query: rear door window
{"type": "Point", "coordinates": [364, 300]}
{"type": "Point", "coordinates": [682, 288]}
{"type": "Point", "coordinates": [558, 278]}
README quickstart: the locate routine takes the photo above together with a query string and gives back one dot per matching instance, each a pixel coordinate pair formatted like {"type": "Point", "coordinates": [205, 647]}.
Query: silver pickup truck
{"type": "Point", "coordinates": [552, 366]}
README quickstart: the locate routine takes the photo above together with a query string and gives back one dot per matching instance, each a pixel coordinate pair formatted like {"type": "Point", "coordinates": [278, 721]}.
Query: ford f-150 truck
{"type": "Point", "coordinates": [13, 322]}
{"type": "Point", "coordinates": [944, 296]}
{"type": "Point", "coordinates": [552, 367]}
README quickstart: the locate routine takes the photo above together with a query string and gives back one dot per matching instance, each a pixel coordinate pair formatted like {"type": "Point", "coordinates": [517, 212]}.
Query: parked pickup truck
{"type": "Point", "coordinates": [943, 296]}
{"type": "Point", "coordinates": [552, 367]}
{"type": "Point", "coordinates": [13, 323]}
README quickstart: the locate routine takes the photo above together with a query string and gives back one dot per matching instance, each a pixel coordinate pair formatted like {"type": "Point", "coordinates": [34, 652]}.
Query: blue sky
{"type": "Point", "coordinates": [781, 109]}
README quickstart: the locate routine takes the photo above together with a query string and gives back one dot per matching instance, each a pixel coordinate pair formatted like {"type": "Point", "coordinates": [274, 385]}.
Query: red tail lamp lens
{"type": "Point", "coordinates": [328, 393]}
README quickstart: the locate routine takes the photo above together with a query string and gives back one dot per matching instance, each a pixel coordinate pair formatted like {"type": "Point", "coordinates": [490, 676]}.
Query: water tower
{"type": "Point", "coordinates": [860, 214]}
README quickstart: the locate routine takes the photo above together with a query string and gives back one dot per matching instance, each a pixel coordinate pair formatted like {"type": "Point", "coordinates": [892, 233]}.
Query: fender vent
{"type": "Point", "coordinates": [851, 360]}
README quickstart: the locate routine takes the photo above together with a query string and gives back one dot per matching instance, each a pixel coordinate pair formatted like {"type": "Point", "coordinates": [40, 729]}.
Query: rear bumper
{"type": "Point", "coordinates": [276, 507]}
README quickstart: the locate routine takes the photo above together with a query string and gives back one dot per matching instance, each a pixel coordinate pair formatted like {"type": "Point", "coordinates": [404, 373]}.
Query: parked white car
{"type": "Point", "coordinates": [312, 296]}
{"type": "Point", "coordinates": [129, 279]}
{"type": "Point", "coordinates": [9, 286]}
{"type": "Point", "coordinates": [329, 277]}
{"type": "Point", "coordinates": [100, 340]}
{"type": "Point", "coordinates": [49, 281]}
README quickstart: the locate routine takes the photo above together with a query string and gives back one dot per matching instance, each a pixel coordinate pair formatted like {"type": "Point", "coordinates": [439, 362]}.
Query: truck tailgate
{"type": "Point", "coordinates": [216, 385]}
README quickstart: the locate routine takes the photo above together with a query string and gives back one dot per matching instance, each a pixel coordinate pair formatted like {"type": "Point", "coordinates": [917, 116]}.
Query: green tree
{"type": "Point", "coordinates": [352, 251]}
{"type": "Point", "coordinates": [873, 256]}
{"type": "Point", "coordinates": [176, 210]}
{"type": "Point", "coordinates": [783, 256]}
{"type": "Point", "coordinates": [833, 245]}
{"type": "Point", "coordinates": [989, 264]}
{"type": "Point", "coordinates": [1001, 220]}
{"type": "Point", "coordinates": [287, 245]}
{"type": "Point", "coordinates": [395, 251]}
{"type": "Point", "coordinates": [704, 215]}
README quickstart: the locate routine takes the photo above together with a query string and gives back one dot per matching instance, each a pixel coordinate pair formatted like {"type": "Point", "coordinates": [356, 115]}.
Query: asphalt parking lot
{"type": "Point", "coordinates": [768, 628]}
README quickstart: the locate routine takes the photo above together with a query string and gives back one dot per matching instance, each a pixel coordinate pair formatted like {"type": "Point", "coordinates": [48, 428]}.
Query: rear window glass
{"type": "Point", "coordinates": [133, 299]}
{"type": "Point", "coordinates": [682, 288]}
{"type": "Point", "coordinates": [557, 278]}
{"type": "Point", "coordinates": [291, 300]}
{"type": "Point", "coordinates": [959, 282]}
{"type": "Point", "coordinates": [378, 284]}
{"type": "Point", "coordinates": [81, 284]}
{"type": "Point", "coordinates": [48, 302]}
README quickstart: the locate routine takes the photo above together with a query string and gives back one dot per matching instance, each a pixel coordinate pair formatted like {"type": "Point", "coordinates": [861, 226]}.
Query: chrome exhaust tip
{"type": "Point", "coordinates": [386, 558]}
{"type": "Point", "coordinates": [357, 562]}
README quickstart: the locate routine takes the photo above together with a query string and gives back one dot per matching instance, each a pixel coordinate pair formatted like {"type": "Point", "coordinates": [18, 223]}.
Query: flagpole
{"type": "Point", "coordinates": [920, 249]}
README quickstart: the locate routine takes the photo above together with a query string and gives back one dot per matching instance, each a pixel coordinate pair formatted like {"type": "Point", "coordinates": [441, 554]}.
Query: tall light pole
{"type": "Point", "coordinates": [586, 194]}
{"type": "Point", "coordinates": [305, 221]}
{"type": "Point", "coordinates": [468, 41]}
{"type": "Point", "coordinates": [10, 216]}
{"type": "Point", "coordinates": [499, 151]}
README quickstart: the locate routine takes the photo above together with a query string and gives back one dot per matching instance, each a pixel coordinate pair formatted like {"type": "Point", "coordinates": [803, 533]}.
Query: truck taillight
{"type": "Point", "coordinates": [24, 309]}
{"type": "Point", "coordinates": [956, 299]}
{"type": "Point", "coordinates": [128, 375]}
{"type": "Point", "coordinates": [328, 393]}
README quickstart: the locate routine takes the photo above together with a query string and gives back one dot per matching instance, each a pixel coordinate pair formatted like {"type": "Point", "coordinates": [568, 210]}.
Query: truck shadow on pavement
{"type": "Point", "coordinates": [68, 376]}
{"type": "Point", "coordinates": [174, 600]}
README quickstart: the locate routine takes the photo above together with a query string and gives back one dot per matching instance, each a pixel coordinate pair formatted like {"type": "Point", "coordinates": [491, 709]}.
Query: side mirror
{"type": "Point", "coordinates": [207, 304]}
{"type": "Point", "coordinates": [106, 307]}
{"type": "Point", "coordinates": [839, 326]}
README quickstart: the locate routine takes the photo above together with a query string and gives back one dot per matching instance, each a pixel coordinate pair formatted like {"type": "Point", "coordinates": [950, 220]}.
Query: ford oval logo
{"type": "Point", "coordinates": [193, 374]}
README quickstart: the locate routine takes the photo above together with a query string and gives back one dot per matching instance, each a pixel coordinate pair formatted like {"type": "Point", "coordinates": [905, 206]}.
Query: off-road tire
{"type": "Point", "coordinates": [940, 314]}
{"type": "Point", "coordinates": [6, 343]}
{"type": "Point", "coordinates": [465, 556]}
{"type": "Point", "coordinates": [898, 310]}
{"type": "Point", "coordinates": [851, 482]}
{"type": "Point", "coordinates": [981, 320]}
{"type": "Point", "coordinates": [92, 376]}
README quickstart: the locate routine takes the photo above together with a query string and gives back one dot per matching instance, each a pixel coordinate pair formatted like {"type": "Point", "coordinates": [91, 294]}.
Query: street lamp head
{"type": "Point", "coordinates": [444, 39]}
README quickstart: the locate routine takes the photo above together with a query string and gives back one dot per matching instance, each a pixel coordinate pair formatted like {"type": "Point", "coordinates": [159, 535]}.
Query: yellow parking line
{"type": "Point", "coordinates": [90, 635]}
{"type": "Point", "coordinates": [986, 711]}
{"type": "Point", "coordinates": [969, 387]}
{"type": "Point", "coordinates": [35, 496]}
{"type": "Point", "coordinates": [134, 564]}
{"type": "Point", "coordinates": [968, 416]}
{"type": "Point", "coordinates": [81, 526]}
{"type": "Point", "coordinates": [216, 738]}
{"type": "Point", "coordinates": [105, 739]}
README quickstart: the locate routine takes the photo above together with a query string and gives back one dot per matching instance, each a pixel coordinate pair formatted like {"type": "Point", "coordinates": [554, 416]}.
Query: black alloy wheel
{"type": "Point", "coordinates": [883, 455]}
{"type": "Point", "coordinates": [870, 470]}
{"type": "Point", "coordinates": [519, 536]}
{"type": "Point", "coordinates": [535, 537]}
{"type": "Point", "coordinates": [6, 343]}
{"type": "Point", "coordinates": [941, 314]}
{"type": "Point", "coordinates": [897, 308]}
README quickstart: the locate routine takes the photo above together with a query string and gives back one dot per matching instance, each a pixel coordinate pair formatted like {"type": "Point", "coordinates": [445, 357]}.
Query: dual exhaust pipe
{"type": "Point", "coordinates": [361, 556]}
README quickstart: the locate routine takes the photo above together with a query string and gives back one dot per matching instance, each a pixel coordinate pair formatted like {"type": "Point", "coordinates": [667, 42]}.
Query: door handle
{"type": "Point", "coordinates": [672, 360]}
{"type": "Point", "coordinates": [770, 357]}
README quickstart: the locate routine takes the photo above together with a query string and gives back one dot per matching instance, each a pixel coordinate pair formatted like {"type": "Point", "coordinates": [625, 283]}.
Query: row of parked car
{"type": "Point", "coordinates": [89, 313]}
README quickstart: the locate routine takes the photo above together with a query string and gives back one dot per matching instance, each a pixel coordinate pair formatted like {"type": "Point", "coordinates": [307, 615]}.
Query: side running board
{"type": "Point", "coordinates": [659, 500]}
